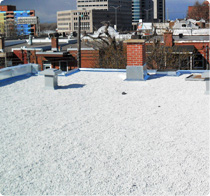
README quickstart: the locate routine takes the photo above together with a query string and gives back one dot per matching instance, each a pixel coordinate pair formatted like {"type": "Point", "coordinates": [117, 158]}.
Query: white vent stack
{"type": "Point", "coordinates": [30, 42]}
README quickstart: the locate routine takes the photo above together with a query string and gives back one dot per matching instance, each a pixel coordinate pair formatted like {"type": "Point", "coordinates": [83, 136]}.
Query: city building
{"type": "Point", "coordinates": [91, 20]}
{"type": "Point", "coordinates": [148, 11]}
{"type": "Point", "coordinates": [196, 46]}
{"type": "Point", "coordinates": [17, 23]}
{"type": "Point", "coordinates": [94, 13]}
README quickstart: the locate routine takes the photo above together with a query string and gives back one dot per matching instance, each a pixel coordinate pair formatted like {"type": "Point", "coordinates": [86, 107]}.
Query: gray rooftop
{"type": "Point", "coordinates": [18, 44]}
{"type": "Point", "coordinates": [185, 38]}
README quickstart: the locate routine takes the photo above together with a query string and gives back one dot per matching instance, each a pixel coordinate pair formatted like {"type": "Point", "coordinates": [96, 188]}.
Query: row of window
{"type": "Point", "coordinates": [64, 14]}
{"type": "Point", "coordinates": [64, 19]}
{"type": "Point", "coordinates": [83, 18]}
{"type": "Point", "coordinates": [92, 5]}
{"type": "Point", "coordinates": [82, 13]}
{"type": "Point", "coordinates": [82, 28]}
{"type": "Point", "coordinates": [63, 29]}
{"type": "Point", "coordinates": [13, 13]}
{"type": "Point", "coordinates": [63, 23]}
{"type": "Point", "coordinates": [75, 18]}
{"type": "Point", "coordinates": [21, 26]}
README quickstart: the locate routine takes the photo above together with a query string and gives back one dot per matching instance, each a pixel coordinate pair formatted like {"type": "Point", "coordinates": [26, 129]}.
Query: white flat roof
{"type": "Point", "coordinates": [88, 138]}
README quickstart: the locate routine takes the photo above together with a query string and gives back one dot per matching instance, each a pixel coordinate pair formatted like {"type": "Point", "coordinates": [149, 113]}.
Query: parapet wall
{"type": "Point", "coordinates": [19, 70]}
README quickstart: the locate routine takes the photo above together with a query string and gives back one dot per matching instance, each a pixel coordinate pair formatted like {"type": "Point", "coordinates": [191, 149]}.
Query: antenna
{"type": "Point", "coordinates": [167, 14]}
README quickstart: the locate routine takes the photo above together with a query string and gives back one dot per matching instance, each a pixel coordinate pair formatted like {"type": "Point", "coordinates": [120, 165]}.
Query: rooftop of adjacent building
{"type": "Point", "coordinates": [184, 38]}
{"type": "Point", "coordinates": [43, 44]}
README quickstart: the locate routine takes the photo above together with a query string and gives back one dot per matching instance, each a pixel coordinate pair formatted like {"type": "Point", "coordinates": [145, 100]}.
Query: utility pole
{"type": "Point", "coordinates": [79, 41]}
{"type": "Point", "coordinates": [167, 14]}
{"type": "Point", "coordinates": [116, 15]}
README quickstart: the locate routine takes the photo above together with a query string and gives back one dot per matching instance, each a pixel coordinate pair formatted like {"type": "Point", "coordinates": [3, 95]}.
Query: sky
{"type": "Point", "coordinates": [46, 9]}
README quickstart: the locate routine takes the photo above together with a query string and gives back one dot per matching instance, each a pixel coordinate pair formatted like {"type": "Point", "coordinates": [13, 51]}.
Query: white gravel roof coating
{"type": "Point", "coordinates": [87, 138]}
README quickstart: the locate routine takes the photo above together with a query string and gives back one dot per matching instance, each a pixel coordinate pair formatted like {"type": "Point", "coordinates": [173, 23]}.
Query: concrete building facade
{"type": "Point", "coordinates": [94, 13]}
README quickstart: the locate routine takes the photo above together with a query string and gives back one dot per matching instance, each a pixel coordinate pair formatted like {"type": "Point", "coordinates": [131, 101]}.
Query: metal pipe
{"type": "Point", "coordinates": [79, 42]}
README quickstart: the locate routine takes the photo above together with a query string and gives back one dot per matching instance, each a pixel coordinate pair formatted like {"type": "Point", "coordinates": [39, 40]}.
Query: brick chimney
{"type": "Point", "coordinates": [168, 39]}
{"type": "Point", "coordinates": [136, 58]}
{"type": "Point", "coordinates": [136, 52]}
{"type": "Point", "coordinates": [1, 44]}
{"type": "Point", "coordinates": [54, 43]}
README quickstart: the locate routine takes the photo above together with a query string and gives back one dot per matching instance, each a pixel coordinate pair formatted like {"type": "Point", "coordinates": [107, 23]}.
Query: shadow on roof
{"type": "Point", "coordinates": [12, 80]}
{"type": "Point", "coordinates": [71, 86]}
{"type": "Point", "coordinates": [156, 76]}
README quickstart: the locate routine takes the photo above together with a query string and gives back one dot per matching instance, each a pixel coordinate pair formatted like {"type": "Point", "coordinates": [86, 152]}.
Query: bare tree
{"type": "Point", "coordinates": [167, 58]}
{"type": "Point", "coordinates": [10, 29]}
{"type": "Point", "coordinates": [199, 11]}
{"type": "Point", "coordinates": [112, 53]}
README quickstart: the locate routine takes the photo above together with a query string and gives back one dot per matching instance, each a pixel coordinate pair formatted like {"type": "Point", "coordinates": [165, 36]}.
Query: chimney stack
{"type": "Point", "coordinates": [168, 39]}
{"type": "Point", "coordinates": [54, 43]}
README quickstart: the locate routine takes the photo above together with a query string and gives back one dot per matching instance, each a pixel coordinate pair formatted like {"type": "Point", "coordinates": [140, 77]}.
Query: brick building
{"type": "Point", "coordinates": [49, 55]}
{"type": "Point", "coordinates": [64, 55]}
{"type": "Point", "coordinates": [196, 46]}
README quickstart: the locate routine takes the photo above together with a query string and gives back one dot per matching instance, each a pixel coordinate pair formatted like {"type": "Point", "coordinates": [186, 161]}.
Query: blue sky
{"type": "Point", "coordinates": [46, 9]}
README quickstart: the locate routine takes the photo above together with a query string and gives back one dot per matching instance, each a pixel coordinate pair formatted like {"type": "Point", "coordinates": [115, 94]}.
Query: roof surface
{"type": "Point", "coordinates": [185, 38]}
{"type": "Point", "coordinates": [45, 45]}
{"type": "Point", "coordinates": [90, 138]}
{"type": "Point", "coordinates": [178, 48]}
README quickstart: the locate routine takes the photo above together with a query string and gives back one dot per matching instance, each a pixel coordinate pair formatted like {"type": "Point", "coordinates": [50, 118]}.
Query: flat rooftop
{"type": "Point", "coordinates": [87, 138]}
{"type": "Point", "coordinates": [185, 38]}
{"type": "Point", "coordinates": [14, 44]}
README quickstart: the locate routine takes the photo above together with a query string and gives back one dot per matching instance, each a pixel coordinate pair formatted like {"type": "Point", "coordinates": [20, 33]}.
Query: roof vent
{"type": "Point", "coordinates": [180, 35]}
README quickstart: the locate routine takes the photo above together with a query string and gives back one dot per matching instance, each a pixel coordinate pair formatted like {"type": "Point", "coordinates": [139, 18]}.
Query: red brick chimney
{"type": "Point", "coordinates": [168, 39]}
{"type": "Point", "coordinates": [1, 44]}
{"type": "Point", "coordinates": [136, 52]}
{"type": "Point", "coordinates": [54, 43]}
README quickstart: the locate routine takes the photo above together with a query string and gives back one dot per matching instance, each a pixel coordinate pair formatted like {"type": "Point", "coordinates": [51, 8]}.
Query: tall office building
{"type": "Point", "coordinates": [121, 9]}
{"type": "Point", "coordinates": [148, 11]}
{"type": "Point", "coordinates": [93, 13]}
